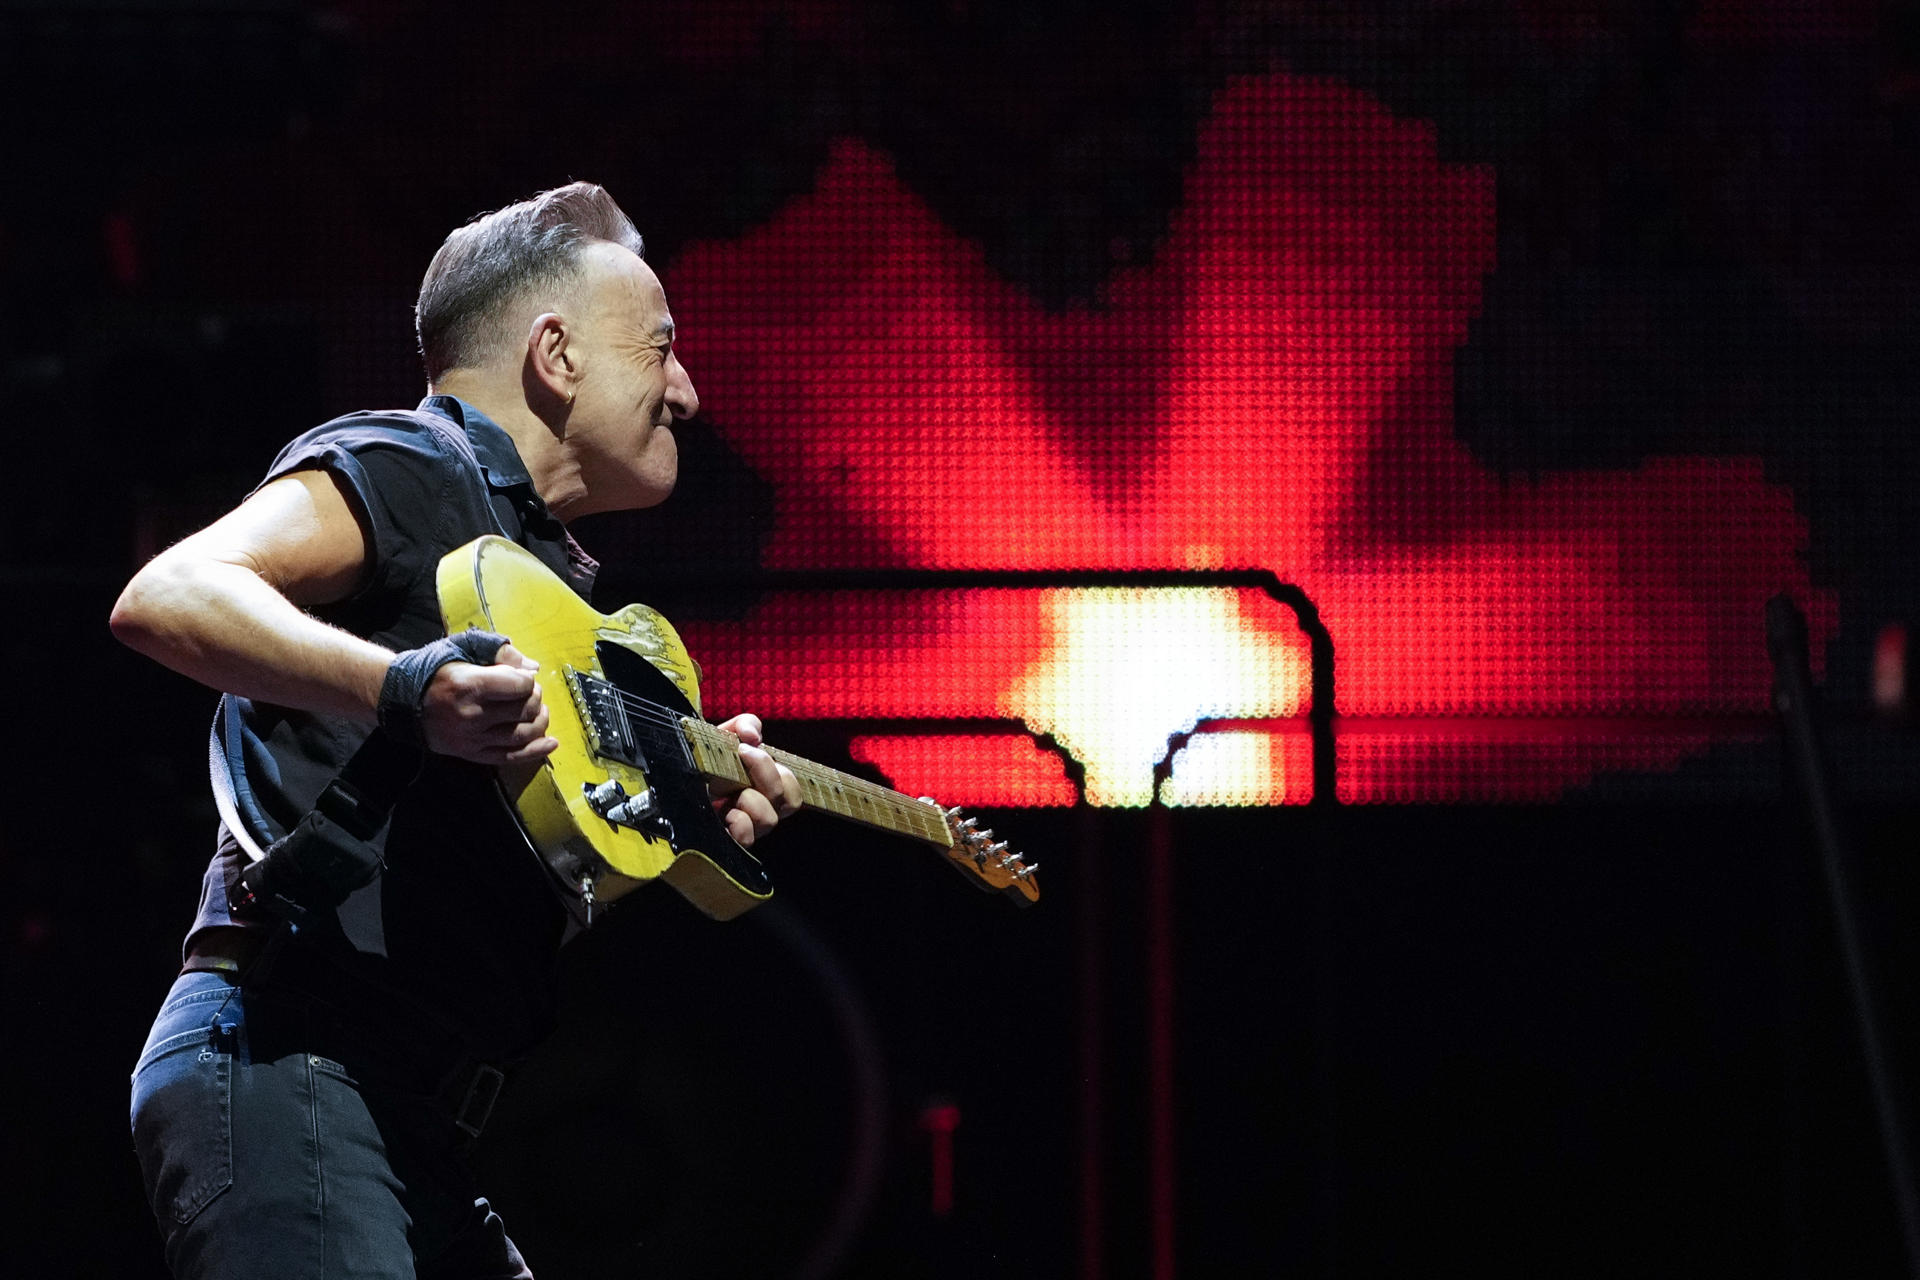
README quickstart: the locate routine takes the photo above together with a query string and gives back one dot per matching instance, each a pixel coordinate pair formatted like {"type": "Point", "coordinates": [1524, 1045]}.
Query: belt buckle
{"type": "Point", "coordinates": [476, 1107]}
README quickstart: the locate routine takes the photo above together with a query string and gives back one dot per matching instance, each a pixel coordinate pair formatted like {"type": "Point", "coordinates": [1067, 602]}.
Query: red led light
{"type": "Point", "coordinates": [1273, 390]}
{"type": "Point", "coordinates": [1014, 772]}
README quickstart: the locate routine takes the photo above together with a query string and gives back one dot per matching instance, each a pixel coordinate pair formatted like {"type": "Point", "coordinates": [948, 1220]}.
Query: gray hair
{"type": "Point", "coordinates": [500, 258]}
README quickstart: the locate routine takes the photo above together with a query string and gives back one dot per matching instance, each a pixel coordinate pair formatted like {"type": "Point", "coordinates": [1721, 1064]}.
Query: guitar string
{"type": "Point", "coordinates": [666, 718]}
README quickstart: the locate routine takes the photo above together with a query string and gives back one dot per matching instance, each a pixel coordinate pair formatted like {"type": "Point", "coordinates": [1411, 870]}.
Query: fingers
{"type": "Point", "coordinates": [512, 657]}
{"type": "Point", "coordinates": [773, 780]}
{"type": "Point", "coordinates": [538, 749]}
{"type": "Point", "coordinates": [746, 727]}
{"type": "Point", "coordinates": [514, 736]}
{"type": "Point", "coordinates": [787, 800]}
{"type": "Point", "coordinates": [772, 793]}
{"type": "Point", "coordinates": [749, 816]}
{"type": "Point", "coordinates": [496, 683]}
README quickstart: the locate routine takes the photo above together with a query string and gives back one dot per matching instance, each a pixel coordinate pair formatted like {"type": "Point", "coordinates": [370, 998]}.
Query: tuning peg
{"type": "Point", "coordinates": [1008, 860]}
{"type": "Point", "coordinates": [1026, 871]}
{"type": "Point", "coordinates": [966, 827]}
{"type": "Point", "coordinates": [996, 849]}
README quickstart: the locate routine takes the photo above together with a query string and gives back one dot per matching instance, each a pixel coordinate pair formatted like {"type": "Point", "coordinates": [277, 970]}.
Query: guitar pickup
{"type": "Point", "coordinates": [603, 715]}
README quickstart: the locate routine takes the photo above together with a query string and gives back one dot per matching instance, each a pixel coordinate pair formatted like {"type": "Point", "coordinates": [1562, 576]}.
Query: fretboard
{"type": "Point", "coordinates": [716, 754]}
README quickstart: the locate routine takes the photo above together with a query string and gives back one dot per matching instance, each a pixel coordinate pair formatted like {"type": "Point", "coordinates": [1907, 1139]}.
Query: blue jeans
{"type": "Point", "coordinates": [265, 1154]}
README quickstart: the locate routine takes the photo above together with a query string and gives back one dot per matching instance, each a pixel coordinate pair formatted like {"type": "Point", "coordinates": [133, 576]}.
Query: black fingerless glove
{"type": "Point", "coordinates": [404, 692]}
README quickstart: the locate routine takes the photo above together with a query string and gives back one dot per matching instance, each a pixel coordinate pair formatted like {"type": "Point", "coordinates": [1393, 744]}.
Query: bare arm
{"type": "Point", "coordinates": [224, 606]}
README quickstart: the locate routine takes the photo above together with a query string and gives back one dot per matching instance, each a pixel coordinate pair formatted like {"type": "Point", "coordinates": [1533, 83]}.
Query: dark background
{"type": "Point", "coordinates": [1604, 1036]}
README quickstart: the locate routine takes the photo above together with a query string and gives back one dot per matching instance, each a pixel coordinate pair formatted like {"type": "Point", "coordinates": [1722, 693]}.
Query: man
{"type": "Point", "coordinates": [300, 1106]}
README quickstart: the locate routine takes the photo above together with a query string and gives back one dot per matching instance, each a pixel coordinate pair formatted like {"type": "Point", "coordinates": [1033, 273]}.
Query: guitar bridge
{"type": "Point", "coordinates": [604, 717]}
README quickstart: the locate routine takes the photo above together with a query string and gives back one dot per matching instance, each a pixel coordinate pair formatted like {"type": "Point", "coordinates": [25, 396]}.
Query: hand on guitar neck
{"type": "Point", "coordinates": [772, 791]}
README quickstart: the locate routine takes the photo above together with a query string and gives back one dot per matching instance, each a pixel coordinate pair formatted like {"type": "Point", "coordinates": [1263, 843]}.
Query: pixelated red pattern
{"type": "Point", "coordinates": [1023, 775]}
{"type": "Point", "coordinates": [1273, 390]}
{"type": "Point", "coordinates": [1493, 767]}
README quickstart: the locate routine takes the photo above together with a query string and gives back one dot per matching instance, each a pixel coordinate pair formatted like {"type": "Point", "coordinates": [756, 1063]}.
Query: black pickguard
{"type": "Point", "coordinates": [679, 790]}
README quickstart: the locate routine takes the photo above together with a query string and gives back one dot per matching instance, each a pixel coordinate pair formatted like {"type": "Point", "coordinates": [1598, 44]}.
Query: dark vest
{"type": "Point", "coordinates": [462, 928]}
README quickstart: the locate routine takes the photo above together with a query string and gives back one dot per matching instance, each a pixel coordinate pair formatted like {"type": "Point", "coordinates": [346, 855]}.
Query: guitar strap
{"type": "Point", "coordinates": [227, 797]}
{"type": "Point", "coordinates": [329, 853]}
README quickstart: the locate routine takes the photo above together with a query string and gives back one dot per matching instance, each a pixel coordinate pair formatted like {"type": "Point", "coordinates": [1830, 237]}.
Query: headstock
{"type": "Point", "coordinates": [986, 863]}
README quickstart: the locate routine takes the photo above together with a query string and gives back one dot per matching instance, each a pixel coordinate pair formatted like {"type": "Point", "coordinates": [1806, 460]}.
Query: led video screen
{"type": "Point", "coordinates": [1273, 389]}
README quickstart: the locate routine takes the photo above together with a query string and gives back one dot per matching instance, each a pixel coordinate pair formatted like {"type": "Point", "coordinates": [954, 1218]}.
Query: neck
{"type": "Point", "coordinates": [541, 441]}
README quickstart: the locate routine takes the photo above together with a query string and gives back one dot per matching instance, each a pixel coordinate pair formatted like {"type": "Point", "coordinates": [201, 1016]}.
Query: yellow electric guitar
{"type": "Point", "coordinates": [625, 800]}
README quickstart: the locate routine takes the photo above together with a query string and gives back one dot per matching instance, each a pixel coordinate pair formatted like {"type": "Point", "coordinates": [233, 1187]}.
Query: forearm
{"type": "Point", "coordinates": [222, 624]}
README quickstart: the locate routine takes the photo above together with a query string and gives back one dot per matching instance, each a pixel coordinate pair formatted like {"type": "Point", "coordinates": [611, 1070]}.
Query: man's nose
{"type": "Point", "coordinates": [681, 397]}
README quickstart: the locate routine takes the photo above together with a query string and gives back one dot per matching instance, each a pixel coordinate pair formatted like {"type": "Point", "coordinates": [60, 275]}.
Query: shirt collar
{"type": "Point", "coordinates": [491, 443]}
{"type": "Point", "coordinates": [500, 460]}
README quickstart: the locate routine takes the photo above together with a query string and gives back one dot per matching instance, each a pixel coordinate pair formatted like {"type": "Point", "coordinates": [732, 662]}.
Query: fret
{"type": "Point", "coordinates": [717, 755]}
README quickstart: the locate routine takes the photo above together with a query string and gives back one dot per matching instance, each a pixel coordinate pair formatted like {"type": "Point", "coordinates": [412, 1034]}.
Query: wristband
{"type": "Point", "coordinates": [403, 693]}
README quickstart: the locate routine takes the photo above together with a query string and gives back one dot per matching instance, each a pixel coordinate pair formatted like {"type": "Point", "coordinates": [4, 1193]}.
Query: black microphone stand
{"type": "Point", "coordinates": [1793, 698]}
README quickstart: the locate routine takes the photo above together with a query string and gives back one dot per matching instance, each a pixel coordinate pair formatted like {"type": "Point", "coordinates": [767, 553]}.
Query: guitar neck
{"type": "Point", "coordinates": [716, 754]}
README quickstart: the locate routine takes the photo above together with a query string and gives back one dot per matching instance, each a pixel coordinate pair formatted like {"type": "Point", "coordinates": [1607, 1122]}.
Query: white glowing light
{"type": "Point", "coordinates": [1130, 667]}
{"type": "Point", "coordinates": [1228, 769]}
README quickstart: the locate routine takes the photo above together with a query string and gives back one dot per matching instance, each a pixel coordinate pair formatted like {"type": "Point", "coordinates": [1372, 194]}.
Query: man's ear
{"type": "Point", "coordinates": [552, 363]}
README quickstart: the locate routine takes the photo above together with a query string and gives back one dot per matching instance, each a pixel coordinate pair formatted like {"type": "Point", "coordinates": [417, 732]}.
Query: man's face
{"type": "Point", "coordinates": [632, 385]}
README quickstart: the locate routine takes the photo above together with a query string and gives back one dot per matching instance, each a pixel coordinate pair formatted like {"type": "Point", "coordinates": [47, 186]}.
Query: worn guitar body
{"type": "Point", "coordinates": [624, 800]}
